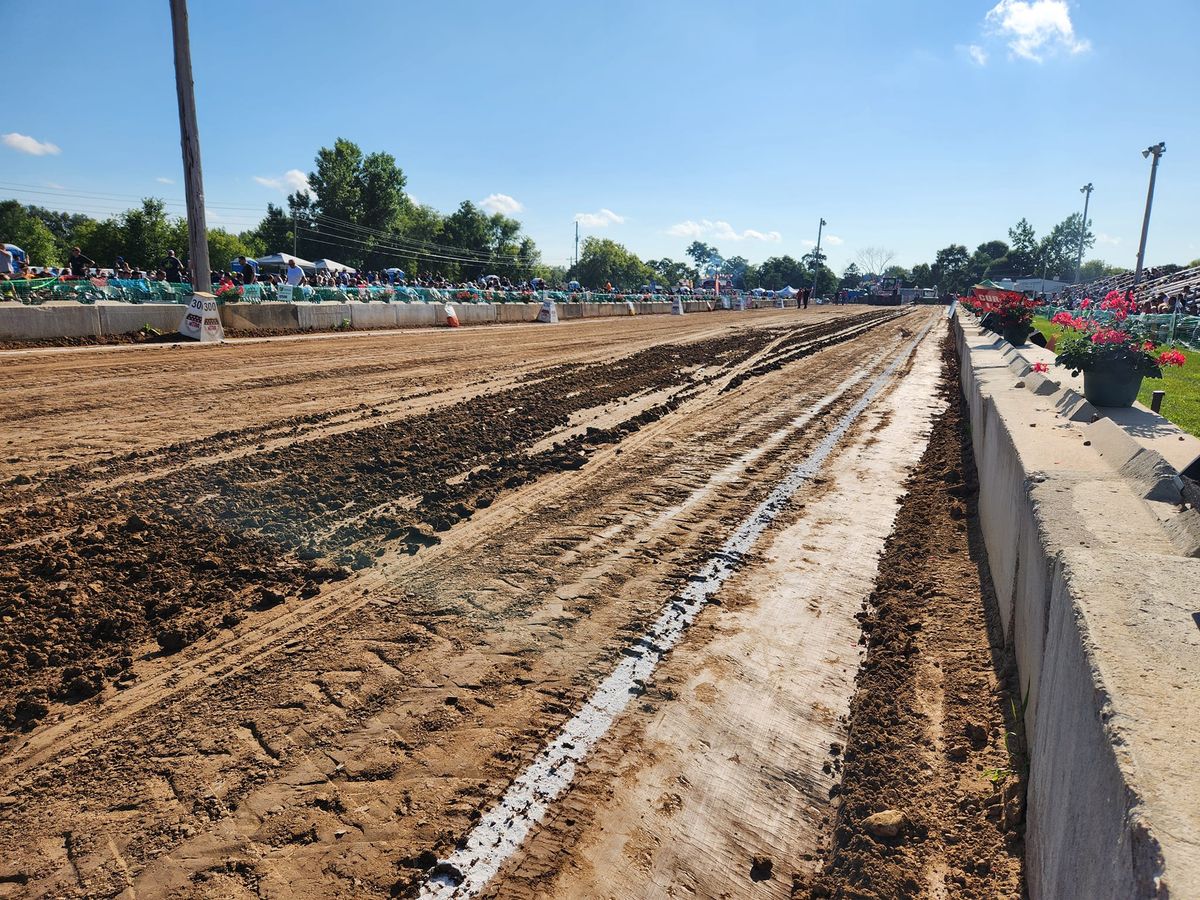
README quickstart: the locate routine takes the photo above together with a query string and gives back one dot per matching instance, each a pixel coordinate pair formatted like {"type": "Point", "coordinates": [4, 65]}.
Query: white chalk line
{"type": "Point", "coordinates": [504, 828]}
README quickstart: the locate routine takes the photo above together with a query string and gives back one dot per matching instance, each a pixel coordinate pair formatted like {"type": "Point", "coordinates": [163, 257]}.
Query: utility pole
{"type": "Point", "coordinates": [1157, 150]}
{"type": "Point", "coordinates": [576, 243]}
{"type": "Point", "coordinates": [1086, 190]}
{"type": "Point", "coordinates": [817, 258]}
{"type": "Point", "coordinates": [189, 141]}
{"type": "Point", "coordinates": [294, 251]}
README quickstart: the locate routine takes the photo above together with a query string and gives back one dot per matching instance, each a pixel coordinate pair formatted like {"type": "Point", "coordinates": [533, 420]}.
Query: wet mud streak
{"type": "Point", "coordinates": [505, 827]}
{"type": "Point", "coordinates": [934, 731]}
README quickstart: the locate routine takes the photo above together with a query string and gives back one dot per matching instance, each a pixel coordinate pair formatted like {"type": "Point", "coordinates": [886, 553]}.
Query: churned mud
{"type": "Point", "coordinates": [931, 799]}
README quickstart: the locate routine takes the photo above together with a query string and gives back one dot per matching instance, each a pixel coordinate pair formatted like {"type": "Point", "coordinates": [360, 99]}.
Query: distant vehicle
{"type": "Point", "coordinates": [886, 291]}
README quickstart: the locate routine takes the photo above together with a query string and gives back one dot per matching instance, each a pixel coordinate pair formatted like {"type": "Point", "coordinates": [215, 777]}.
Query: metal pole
{"type": "Point", "coordinates": [189, 142]}
{"type": "Point", "coordinates": [295, 252]}
{"type": "Point", "coordinates": [1157, 151]}
{"type": "Point", "coordinates": [817, 258]}
{"type": "Point", "coordinates": [1086, 190]}
{"type": "Point", "coordinates": [577, 246]}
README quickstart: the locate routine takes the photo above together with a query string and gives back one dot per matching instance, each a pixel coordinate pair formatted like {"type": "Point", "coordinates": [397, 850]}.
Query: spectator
{"type": "Point", "coordinates": [249, 275]}
{"type": "Point", "coordinates": [121, 268]}
{"type": "Point", "coordinates": [295, 274]}
{"type": "Point", "coordinates": [173, 267]}
{"type": "Point", "coordinates": [6, 260]}
{"type": "Point", "coordinates": [79, 263]}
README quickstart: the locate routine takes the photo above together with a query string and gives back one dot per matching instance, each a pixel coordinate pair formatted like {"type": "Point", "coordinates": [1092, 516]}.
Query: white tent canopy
{"type": "Point", "coordinates": [788, 291]}
{"type": "Point", "coordinates": [331, 266]}
{"type": "Point", "coordinates": [281, 259]}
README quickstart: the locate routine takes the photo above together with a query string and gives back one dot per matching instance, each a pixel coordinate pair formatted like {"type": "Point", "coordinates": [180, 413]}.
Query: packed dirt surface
{"type": "Point", "coordinates": [932, 798]}
{"type": "Point", "coordinates": [287, 617]}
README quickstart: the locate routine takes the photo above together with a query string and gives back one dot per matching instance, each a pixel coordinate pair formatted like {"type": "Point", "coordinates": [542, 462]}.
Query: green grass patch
{"type": "Point", "coordinates": [1182, 403]}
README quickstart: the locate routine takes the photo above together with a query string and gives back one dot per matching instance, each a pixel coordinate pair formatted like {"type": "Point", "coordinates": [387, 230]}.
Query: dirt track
{"type": "Point", "coordinates": [287, 617]}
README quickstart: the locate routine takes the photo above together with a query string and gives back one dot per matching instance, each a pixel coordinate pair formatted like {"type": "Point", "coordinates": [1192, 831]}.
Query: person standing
{"type": "Point", "coordinates": [173, 267]}
{"type": "Point", "coordinates": [295, 274]}
{"type": "Point", "coordinates": [79, 263]}
{"type": "Point", "coordinates": [6, 260]}
{"type": "Point", "coordinates": [249, 275]}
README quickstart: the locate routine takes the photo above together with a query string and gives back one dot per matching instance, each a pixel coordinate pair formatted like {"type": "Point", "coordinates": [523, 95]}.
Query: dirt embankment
{"type": "Point", "coordinates": [931, 802]}
{"type": "Point", "coordinates": [88, 575]}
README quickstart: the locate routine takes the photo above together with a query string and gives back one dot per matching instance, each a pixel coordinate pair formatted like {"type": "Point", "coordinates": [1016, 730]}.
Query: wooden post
{"type": "Point", "coordinates": [189, 141]}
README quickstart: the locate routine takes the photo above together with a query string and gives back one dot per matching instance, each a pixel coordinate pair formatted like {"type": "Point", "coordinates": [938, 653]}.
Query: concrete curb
{"type": "Point", "coordinates": [1093, 556]}
{"type": "Point", "coordinates": [68, 319]}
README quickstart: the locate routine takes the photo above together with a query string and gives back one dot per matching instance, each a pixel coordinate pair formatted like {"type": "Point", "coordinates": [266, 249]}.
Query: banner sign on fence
{"type": "Point", "coordinates": [284, 293]}
{"type": "Point", "coordinates": [676, 305]}
{"type": "Point", "coordinates": [202, 322]}
{"type": "Point", "coordinates": [548, 313]}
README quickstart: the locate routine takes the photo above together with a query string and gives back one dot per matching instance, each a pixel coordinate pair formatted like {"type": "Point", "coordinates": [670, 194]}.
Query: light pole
{"type": "Point", "coordinates": [1156, 150]}
{"type": "Point", "coordinates": [817, 258]}
{"type": "Point", "coordinates": [189, 140]}
{"type": "Point", "coordinates": [1086, 190]}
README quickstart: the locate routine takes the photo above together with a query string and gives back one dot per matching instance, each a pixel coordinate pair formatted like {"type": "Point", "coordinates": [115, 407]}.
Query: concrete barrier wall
{"type": "Point", "coordinates": [69, 319]}
{"type": "Point", "coordinates": [1093, 555]}
{"type": "Point", "coordinates": [33, 323]}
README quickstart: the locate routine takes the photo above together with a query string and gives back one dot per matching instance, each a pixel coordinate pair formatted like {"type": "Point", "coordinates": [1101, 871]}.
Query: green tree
{"type": "Point", "coordinates": [603, 261]}
{"type": "Point", "coordinates": [777, 272]}
{"type": "Point", "coordinates": [1023, 249]}
{"type": "Point", "coordinates": [1096, 268]}
{"type": "Point", "coordinates": [951, 269]}
{"type": "Point", "coordinates": [922, 275]}
{"type": "Point", "coordinates": [735, 269]}
{"type": "Point", "coordinates": [670, 273]}
{"type": "Point", "coordinates": [851, 278]}
{"type": "Point", "coordinates": [1059, 249]}
{"type": "Point", "coordinates": [707, 258]}
{"type": "Point", "coordinates": [274, 232]}
{"type": "Point", "coordinates": [224, 247]}
{"type": "Point", "coordinates": [20, 226]}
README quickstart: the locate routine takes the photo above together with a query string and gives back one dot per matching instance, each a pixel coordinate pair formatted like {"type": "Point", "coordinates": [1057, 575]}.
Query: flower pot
{"type": "Point", "coordinates": [1016, 334]}
{"type": "Point", "coordinates": [1111, 388]}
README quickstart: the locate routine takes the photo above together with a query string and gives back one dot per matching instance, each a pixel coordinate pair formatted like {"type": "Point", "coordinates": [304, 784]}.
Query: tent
{"type": "Point", "coordinates": [788, 291]}
{"type": "Point", "coordinates": [329, 265]}
{"type": "Point", "coordinates": [281, 259]}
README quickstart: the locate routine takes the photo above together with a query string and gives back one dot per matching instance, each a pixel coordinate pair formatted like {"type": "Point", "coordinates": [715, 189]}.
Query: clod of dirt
{"type": "Point", "coordinates": [887, 824]}
{"type": "Point", "coordinates": [447, 871]}
{"type": "Point", "coordinates": [976, 734]}
{"type": "Point", "coordinates": [760, 868]}
{"type": "Point", "coordinates": [135, 524]}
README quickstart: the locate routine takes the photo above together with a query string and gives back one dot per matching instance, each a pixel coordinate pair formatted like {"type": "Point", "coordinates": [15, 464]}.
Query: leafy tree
{"type": "Point", "coordinates": [603, 261]}
{"type": "Point", "coordinates": [670, 272]}
{"type": "Point", "coordinates": [734, 269]}
{"type": "Point", "coordinates": [224, 247]}
{"type": "Point", "coordinates": [778, 272]}
{"type": "Point", "coordinates": [922, 275]}
{"type": "Point", "coordinates": [21, 226]}
{"type": "Point", "coordinates": [851, 278]}
{"type": "Point", "coordinates": [951, 268]}
{"type": "Point", "coordinates": [707, 259]}
{"type": "Point", "coordinates": [1060, 248]}
{"type": "Point", "coordinates": [897, 272]}
{"type": "Point", "coordinates": [1096, 268]}
{"type": "Point", "coordinates": [1023, 248]}
{"type": "Point", "coordinates": [274, 232]}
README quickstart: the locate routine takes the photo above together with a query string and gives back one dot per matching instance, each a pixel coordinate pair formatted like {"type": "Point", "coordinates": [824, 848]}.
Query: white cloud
{"type": "Point", "coordinates": [25, 144]}
{"type": "Point", "coordinates": [293, 180]}
{"type": "Point", "coordinates": [721, 231]}
{"type": "Point", "coordinates": [978, 54]}
{"type": "Point", "coordinates": [1103, 238]}
{"type": "Point", "coordinates": [54, 185]}
{"type": "Point", "coordinates": [601, 219]}
{"type": "Point", "coordinates": [501, 203]}
{"type": "Point", "coordinates": [162, 180]}
{"type": "Point", "coordinates": [1034, 28]}
{"type": "Point", "coordinates": [827, 240]}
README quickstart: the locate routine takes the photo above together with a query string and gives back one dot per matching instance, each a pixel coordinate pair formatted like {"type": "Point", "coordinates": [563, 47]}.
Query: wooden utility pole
{"type": "Point", "coordinates": [189, 141]}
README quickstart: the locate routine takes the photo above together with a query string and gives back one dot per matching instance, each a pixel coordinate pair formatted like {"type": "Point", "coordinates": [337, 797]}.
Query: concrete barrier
{"type": "Point", "coordinates": [122, 318]}
{"type": "Point", "coordinates": [253, 316]}
{"type": "Point", "coordinates": [34, 323]}
{"type": "Point", "coordinates": [475, 313]}
{"type": "Point", "coordinates": [322, 315]}
{"type": "Point", "coordinates": [372, 315]}
{"type": "Point", "coordinates": [419, 315]}
{"type": "Point", "coordinates": [516, 312]}
{"type": "Point", "coordinates": [1093, 554]}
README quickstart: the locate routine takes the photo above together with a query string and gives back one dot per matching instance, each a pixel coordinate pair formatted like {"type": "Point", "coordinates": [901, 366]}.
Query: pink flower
{"type": "Point", "coordinates": [1040, 367]}
{"type": "Point", "coordinates": [1171, 358]}
{"type": "Point", "coordinates": [1087, 302]}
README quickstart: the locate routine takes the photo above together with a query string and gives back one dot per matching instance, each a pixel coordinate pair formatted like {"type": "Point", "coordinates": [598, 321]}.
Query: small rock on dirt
{"type": "Point", "coordinates": [886, 824]}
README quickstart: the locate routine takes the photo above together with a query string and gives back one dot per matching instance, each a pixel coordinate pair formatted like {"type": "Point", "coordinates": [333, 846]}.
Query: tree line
{"type": "Point", "coordinates": [356, 212]}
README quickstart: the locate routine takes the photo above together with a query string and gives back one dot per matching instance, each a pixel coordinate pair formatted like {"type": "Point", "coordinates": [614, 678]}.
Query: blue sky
{"type": "Point", "coordinates": [907, 124]}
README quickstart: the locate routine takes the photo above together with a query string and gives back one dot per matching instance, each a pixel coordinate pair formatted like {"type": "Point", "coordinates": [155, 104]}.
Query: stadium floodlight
{"type": "Point", "coordinates": [1086, 190]}
{"type": "Point", "coordinates": [1155, 150]}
